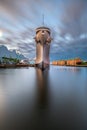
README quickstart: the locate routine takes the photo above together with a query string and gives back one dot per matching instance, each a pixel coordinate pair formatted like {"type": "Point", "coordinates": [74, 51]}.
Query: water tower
{"type": "Point", "coordinates": [43, 40]}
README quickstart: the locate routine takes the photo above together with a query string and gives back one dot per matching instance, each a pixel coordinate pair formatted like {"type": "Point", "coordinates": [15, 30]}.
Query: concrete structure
{"type": "Point", "coordinates": [43, 41]}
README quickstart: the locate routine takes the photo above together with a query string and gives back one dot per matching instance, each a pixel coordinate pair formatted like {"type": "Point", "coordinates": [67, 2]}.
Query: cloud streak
{"type": "Point", "coordinates": [66, 18]}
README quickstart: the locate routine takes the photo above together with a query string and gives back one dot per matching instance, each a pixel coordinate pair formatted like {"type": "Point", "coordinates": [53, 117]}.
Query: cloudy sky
{"type": "Point", "coordinates": [66, 18]}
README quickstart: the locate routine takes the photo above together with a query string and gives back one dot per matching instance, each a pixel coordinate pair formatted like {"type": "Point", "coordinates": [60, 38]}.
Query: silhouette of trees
{"type": "Point", "coordinates": [10, 60]}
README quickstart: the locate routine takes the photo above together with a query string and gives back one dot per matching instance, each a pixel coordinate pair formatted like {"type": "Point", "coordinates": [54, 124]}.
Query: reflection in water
{"type": "Point", "coordinates": [53, 99]}
{"type": "Point", "coordinates": [2, 105]}
{"type": "Point", "coordinates": [42, 81]}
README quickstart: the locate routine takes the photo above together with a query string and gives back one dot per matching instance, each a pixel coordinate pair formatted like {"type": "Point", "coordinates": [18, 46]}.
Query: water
{"type": "Point", "coordinates": [53, 99]}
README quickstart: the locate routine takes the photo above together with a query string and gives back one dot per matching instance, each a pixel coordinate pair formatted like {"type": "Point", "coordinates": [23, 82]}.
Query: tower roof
{"type": "Point", "coordinates": [43, 28]}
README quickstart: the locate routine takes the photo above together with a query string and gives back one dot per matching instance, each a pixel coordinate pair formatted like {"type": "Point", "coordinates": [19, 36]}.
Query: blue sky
{"type": "Point", "coordinates": [66, 18]}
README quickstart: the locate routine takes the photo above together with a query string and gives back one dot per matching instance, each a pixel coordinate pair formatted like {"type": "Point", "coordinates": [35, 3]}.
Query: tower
{"type": "Point", "coordinates": [43, 40]}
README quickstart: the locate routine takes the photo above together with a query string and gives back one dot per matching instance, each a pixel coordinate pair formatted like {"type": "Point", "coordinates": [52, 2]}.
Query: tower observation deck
{"type": "Point", "coordinates": [43, 40]}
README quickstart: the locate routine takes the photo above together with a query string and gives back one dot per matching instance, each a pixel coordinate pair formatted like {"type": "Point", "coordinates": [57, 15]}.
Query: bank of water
{"type": "Point", "coordinates": [32, 99]}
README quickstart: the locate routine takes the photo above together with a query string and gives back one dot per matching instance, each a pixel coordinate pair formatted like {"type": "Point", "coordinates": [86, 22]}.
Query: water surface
{"type": "Point", "coordinates": [53, 99]}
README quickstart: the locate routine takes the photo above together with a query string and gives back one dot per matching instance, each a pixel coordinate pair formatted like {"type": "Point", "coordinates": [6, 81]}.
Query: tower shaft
{"type": "Point", "coordinates": [43, 41]}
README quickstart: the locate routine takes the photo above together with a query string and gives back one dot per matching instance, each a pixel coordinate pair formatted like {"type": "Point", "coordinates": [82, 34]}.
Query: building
{"type": "Point", "coordinates": [25, 61]}
{"type": "Point", "coordinates": [75, 61]}
{"type": "Point", "coordinates": [61, 62]}
{"type": "Point", "coordinates": [71, 62]}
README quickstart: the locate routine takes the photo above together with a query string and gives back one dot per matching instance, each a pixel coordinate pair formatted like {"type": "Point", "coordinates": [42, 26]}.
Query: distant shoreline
{"type": "Point", "coordinates": [72, 65]}
{"type": "Point", "coordinates": [16, 65]}
{"type": "Point", "coordinates": [33, 65]}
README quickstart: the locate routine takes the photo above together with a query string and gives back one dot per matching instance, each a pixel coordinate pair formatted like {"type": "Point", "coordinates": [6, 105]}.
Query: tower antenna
{"type": "Point", "coordinates": [43, 19]}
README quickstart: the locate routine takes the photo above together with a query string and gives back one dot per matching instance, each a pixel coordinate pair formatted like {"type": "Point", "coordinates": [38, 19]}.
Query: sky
{"type": "Point", "coordinates": [67, 20]}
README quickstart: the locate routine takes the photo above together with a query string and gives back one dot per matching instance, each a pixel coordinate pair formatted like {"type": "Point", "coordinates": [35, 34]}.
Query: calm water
{"type": "Point", "coordinates": [34, 100]}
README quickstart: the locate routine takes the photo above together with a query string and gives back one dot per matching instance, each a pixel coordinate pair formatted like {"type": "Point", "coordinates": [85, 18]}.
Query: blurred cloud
{"type": "Point", "coordinates": [66, 18]}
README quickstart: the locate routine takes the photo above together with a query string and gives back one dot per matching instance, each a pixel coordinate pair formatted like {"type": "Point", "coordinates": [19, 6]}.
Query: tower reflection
{"type": "Point", "coordinates": [42, 84]}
